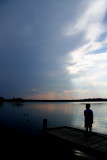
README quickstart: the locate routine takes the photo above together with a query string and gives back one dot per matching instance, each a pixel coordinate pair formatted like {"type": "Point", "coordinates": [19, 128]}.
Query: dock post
{"type": "Point", "coordinates": [44, 124]}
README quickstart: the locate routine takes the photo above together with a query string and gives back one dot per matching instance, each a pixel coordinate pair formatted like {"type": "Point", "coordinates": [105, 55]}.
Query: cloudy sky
{"type": "Point", "coordinates": [53, 49]}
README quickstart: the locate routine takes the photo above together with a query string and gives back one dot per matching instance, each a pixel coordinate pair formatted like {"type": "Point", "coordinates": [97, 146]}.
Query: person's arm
{"type": "Point", "coordinates": [92, 116]}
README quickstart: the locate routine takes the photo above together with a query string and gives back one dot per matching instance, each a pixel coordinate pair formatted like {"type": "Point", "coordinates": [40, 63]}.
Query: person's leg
{"type": "Point", "coordinates": [86, 129]}
{"type": "Point", "coordinates": [90, 130]}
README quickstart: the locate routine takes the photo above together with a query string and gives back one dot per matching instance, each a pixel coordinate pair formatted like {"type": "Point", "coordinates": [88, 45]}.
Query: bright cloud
{"type": "Point", "coordinates": [88, 63]}
{"type": "Point", "coordinates": [90, 20]}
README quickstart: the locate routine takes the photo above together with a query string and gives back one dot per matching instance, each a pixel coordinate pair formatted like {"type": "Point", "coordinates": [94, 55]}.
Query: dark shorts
{"type": "Point", "coordinates": [87, 124]}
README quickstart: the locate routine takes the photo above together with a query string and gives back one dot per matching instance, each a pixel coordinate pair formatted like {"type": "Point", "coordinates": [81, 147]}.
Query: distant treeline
{"type": "Point", "coordinates": [72, 100]}
{"type": "Point", "coordinates": [60, 100]}
{"type": "Point", "coordinates": [11, 100]}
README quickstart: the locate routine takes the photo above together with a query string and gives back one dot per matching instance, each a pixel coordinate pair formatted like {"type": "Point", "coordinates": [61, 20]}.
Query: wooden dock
{"type": "Point", "coordinates": [95, 144]}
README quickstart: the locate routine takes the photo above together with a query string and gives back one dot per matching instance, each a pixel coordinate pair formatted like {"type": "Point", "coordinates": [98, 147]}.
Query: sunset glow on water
{"type": "Point", "coordinates": [28, 117]}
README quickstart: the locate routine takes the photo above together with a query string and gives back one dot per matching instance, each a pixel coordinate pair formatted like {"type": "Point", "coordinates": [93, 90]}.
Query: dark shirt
{"type": "Point", "coordinates": [88, 113]}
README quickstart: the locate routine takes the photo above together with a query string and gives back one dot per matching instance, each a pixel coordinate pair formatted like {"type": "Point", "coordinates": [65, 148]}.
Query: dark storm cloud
{"type": "Point", "coordinates": [31, 45]}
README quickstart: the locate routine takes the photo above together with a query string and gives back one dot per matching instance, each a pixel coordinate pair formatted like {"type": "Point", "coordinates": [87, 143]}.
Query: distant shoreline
{"type": "Point", "coordinates": [76, 100]}
{"type": "Point", "coordinates": [73, 100]}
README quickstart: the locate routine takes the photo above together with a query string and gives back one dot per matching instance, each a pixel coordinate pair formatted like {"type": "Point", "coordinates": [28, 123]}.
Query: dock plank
{"type": "Point", "coordinates": [96, 142]}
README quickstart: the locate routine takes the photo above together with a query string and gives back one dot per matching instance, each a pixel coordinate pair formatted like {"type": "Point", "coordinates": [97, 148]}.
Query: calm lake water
{"type": "Point", "coordinates": [28, 117]}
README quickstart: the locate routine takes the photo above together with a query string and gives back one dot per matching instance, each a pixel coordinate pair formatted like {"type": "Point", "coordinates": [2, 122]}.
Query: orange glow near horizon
{"type": "Point", "coordinates": [65, 95]}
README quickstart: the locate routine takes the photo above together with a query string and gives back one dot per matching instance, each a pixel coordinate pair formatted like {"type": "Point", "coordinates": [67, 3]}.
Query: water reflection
{"type": "Point", "coordinates": [59, 107]}
{"type": "Point", "coordinates": [29, 118]}
{"type": "Point", "coordinates": [80, 154]}
{"type": "Point", "coordinates": [17, 104]}
{"type": "Point", "coordinates": [1, 104]}
{"type": "Point", "coordinates": [26, 115]}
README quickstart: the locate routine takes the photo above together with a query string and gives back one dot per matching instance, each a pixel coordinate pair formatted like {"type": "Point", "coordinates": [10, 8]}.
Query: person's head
{"type": "Point", "coordinates": [87, 106]}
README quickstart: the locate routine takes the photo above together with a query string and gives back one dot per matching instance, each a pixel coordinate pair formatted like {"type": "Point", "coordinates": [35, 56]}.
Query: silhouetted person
{"type": "Point", "coordinates": [88, 113]}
